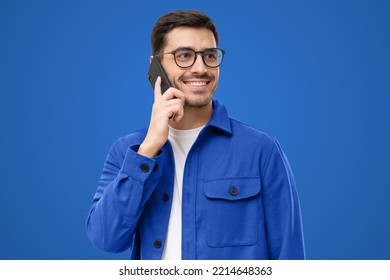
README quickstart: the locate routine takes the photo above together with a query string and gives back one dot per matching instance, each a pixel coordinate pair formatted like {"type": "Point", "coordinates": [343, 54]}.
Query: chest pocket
{"type": "Point", "coordinates": [232, 211]}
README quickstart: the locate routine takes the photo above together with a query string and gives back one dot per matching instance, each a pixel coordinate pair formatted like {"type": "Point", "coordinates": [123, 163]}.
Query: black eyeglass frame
{"type": "Point", "coordinates": [196, 56]}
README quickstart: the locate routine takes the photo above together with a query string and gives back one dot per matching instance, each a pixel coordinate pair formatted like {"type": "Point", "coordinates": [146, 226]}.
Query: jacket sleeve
{"type": "Point", "coordinates": [282, 209]}
{"type": "Point", "coordinates": [125, 186]}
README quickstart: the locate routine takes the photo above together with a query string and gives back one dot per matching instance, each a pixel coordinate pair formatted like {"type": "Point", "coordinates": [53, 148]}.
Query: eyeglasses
{"type": "Point", "coordinates": [186, 57]}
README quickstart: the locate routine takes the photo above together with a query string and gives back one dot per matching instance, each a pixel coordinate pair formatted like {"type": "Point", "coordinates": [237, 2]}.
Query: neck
{"type": "Point", "coordinates": [194, 117]}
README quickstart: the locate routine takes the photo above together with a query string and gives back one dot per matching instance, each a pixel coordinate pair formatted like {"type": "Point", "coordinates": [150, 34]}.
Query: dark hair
{"type": "Point", "coordinates": [175, 19]}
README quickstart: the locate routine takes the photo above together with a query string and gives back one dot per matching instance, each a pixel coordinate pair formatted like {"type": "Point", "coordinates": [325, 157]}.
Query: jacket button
{"type": "Point", "coordinates": [155, 168]}
{"type": "Point", "coordinates": [157, 244]}
{"type": "Point", "coordinates": [144, 167]}
{"type": "Point", "coordinates": [233, 191]}
{"type": "Point", "coordinates": [165, 197]}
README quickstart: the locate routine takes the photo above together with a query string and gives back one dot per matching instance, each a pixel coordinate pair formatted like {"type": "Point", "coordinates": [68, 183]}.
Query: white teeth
{"type": "Point", "coordinates": [196, 84]}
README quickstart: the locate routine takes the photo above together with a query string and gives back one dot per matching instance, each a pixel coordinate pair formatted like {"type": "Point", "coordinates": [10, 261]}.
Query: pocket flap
{"type": "Point", "coordinates": [232, 188]}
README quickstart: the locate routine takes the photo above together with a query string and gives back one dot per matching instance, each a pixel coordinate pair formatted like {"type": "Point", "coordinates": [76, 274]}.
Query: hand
{"type": "Point", "coordinates": [166, 107]}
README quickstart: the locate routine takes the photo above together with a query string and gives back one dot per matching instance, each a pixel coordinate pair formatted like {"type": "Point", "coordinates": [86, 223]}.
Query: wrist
{"type": "Point", "coordinates": [148, 150]}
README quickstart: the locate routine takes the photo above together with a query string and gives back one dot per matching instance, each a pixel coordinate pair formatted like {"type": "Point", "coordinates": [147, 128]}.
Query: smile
{"type": "Point", "coordinates": [196, 84]}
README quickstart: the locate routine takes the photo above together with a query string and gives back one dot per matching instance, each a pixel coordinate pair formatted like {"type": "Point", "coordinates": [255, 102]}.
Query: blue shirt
{"type": "Point", "coordinates": [239, 197]}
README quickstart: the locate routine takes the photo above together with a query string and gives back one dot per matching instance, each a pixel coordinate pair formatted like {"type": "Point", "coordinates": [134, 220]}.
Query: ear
{"type": "Point", "coordinates": [150, 59]}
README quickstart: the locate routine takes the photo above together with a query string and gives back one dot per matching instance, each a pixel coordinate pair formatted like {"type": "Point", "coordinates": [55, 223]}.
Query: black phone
{"type": "Point", "coordinates": [155, 70]}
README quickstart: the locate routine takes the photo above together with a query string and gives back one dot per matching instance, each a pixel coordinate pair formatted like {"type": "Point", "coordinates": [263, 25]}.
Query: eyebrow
{"type": "Point", "coordinates": [184, 47]}
{"type": "Point", "coordinates": [188, 47]}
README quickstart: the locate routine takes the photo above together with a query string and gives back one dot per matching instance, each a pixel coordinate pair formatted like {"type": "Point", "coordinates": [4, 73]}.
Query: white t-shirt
{"type": "Point", "coordinates": [181, 141]}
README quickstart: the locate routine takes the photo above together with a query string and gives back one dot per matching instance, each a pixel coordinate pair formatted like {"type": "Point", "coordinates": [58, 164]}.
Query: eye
{"type": "Point", "coordinates": [184, 54]}
{"type": "Point", "coordinates": [211, 55]}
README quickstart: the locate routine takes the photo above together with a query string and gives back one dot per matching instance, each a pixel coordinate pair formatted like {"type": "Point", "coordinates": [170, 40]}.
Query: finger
{"type": "Point", "coordinates": [157, 88]}
{"type": "Point", "coordinates": [177, 93]}
{"type": "Point", "coordinates": [175, 109]}
{"type": "Point", "coordinates": [166, 108]}
{"type": "Point", "coordinates": [180, 95]}
{"type": "Point", "coordinates": [173, 93]}
{"type": "Point", "coordinates": [179, 114]}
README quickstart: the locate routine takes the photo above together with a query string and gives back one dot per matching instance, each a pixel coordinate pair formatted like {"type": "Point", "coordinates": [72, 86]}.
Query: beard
{"type": "Point", "coordinates": [196, 98]}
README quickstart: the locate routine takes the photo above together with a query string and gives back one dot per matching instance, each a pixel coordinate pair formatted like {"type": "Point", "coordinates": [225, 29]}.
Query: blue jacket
{"type": "Point", "coordinates": [239, 197]}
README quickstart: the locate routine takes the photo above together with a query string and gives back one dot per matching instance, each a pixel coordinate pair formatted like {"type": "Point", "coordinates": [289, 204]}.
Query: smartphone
{"type": "Point", "coordinates": [156, 70]}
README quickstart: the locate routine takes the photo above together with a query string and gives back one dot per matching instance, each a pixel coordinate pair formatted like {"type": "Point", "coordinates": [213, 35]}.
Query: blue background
{"type": "Point", "coordinates": [314, 74]}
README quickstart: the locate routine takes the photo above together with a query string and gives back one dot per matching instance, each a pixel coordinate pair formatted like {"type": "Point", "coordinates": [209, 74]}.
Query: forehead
{"type": "Point", "coordinates": [196, 38]}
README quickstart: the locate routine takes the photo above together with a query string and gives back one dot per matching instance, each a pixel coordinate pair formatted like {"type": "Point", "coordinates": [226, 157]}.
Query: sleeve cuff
{"type": "Point", "coordinates": [138, 166]}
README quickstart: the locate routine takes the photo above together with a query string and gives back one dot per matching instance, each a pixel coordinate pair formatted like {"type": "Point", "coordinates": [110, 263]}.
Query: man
{"type": "Point", "coordinates": [196, 184]}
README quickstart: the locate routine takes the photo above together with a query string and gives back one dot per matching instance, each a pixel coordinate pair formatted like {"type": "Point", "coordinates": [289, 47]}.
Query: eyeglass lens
{"type": "Point", "coordinates": [186, 57]}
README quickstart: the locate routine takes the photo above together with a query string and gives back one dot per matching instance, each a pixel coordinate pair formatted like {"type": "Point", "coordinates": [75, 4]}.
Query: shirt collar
{"type": "Point", "coordinates": [220, 118]}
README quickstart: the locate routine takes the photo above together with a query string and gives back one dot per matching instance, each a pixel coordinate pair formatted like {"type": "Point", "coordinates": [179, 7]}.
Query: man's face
{"type": "Point", "coordinates": [199, 81]}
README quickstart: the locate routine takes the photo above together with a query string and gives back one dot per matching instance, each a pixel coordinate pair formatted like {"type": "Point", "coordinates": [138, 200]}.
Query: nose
{"type": "Point", "coordinates": [199, 66]}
